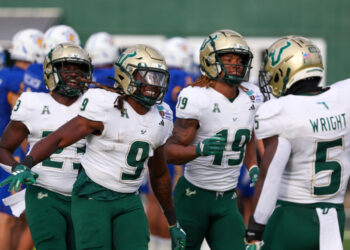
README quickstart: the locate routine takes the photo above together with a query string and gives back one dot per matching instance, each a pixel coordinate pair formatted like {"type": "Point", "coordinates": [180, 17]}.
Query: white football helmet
{"type": "Point", "coordinates": [177, 53]}
{"type": "Point", "coordinates": [59, 34]}
{"type": "Point", "coordinates": [27, 46]}
{"type": "Point", "coordinates": [101, 48]}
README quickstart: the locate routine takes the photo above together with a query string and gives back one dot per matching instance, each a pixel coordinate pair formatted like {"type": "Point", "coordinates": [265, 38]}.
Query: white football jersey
{"type": "Point", "coordinates": [318, 129]}
{"type": "Point", "coordinates": [217, 115]}
{"type": "Point", "coordinates": [116, 159]}
{"type": "Point", "coordinates": [42, 115]}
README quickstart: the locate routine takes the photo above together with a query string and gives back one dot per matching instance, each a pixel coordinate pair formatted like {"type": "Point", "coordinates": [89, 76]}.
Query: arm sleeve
{"type": "Point", "coordinates": [269, 193]}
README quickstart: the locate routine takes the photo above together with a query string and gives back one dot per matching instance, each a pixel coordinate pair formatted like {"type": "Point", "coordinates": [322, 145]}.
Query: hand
{"type": "Point", "coordinates": [211, 146]}
{"type": "Point", "coordinates": [257, 245]}
{"type": "Point", "coordinates": [254, 174]}
{"type": "Point", "coordinates": [178, 237]}
{"type": "Point", "coordinates": [21, 174]}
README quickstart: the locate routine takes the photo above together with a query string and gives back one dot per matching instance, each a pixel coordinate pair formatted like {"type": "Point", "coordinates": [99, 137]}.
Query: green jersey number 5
{"type": "Point", "coordinates": [324, 163]}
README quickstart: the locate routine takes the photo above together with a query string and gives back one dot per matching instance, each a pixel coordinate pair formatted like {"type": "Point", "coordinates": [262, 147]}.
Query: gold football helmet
{"type": "Point", "coordinates": [287, 61]}
{"type": "Point", "coordinates": [223, 42]}
{"type": "Point", "coordinates": [140, 66]}
{"type": "Point", "coordinates": [53, 67]}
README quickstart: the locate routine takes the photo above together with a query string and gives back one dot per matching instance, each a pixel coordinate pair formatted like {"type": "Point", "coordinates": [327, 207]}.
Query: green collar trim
{"type": "Point", "coordinates": [232, 99]}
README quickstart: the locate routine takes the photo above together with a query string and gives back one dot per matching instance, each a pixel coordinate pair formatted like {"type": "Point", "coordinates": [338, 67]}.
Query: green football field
{"type": "Point", "coordinates": [346, 242]}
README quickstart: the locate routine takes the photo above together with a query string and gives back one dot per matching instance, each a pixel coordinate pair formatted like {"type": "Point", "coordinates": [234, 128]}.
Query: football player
{"type": "Point", "coordinates": [245, 186]}
{"type": "Point", "coordinates": [177, 57]}
{"type": "Point", "coordinates": [34, 117]}
{"type": "Point", "coordinates": [211, 135]}
{"type": "Point", "coordinates": [26, 48]}
{"type": "Point", "coordinates": [103, 52]}
{"type": "Point", "coordinates": [307, 152]}
{"type": "Point", "coordinates": [125, 132]}
{"type": "Point", "coordinates": [34, 75]}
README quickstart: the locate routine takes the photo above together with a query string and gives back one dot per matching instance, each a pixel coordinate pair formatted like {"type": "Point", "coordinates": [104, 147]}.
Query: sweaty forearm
{"type": "Point", "coordinates": [43, 149]}
{"type": "Point", "coordinates": [6, 157]}
{"type": "Point", "coordinates": [179, 154]}
{"type": "Point", "coordinates": [161, 187]}
{"type": "Point", "coordinates": [69, 133]}
{"type": "Point", "coordinates": [178, 149]}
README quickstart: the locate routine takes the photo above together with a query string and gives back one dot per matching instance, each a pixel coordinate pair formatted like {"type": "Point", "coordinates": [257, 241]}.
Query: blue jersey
{"type": "Point", "coordinates": [178, 80]}
{"type": "Point", "coordinates": [10, 82]}
{"type": "Point", "coordinates": [101, 75]}
{"type": "Point", "coordinates": [34, 79]}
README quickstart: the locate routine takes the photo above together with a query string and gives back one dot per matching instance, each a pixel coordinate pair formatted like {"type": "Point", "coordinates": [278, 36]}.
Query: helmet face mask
{"type": "Point", "coordinates": [220, 43]}
{"type": "Point", "coordinates": [151, 85]}
{"type": "Point", "coordinates": [240, 68]}
{"type": "Point", "coordinates": [65, 68]}
{"type": "Point", "coordinates": [287, 61]}
{"type": "Point", "coordinates": [67, 75]}
{"type": "Point", "coordinates": [142, 74]}
{"type": "Point", "coordinates": [264, 79]}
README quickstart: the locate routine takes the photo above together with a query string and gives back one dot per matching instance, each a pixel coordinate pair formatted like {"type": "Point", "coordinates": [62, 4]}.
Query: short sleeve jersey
{"type": "Point", "coordinates": [116, 159]}
{"type": "Point", "coordinates": [318, 130]}
{"type": "Point", "coordinates": [41, 114]}
{"type": "Point", "coordinates": [217, 115]}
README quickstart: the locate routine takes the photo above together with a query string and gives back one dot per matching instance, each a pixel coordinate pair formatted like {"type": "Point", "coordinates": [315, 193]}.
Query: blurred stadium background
{"type": "Point", "coordinates": [327, 20]}
{"type": "Point", "coordinates": [153, 21]}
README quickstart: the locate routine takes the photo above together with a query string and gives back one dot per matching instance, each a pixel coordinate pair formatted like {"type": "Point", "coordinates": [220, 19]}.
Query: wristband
{"type": "Point", "coordinates": [28, 161]}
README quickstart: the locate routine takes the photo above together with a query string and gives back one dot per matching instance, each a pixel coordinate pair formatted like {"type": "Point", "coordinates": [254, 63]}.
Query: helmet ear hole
{"type": "Point", "coordinates": [207, 61]}
{"type": "Point", "coordinates": [276, 78]}
{"type": "Point", "coordinates": [48, 70]}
